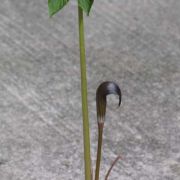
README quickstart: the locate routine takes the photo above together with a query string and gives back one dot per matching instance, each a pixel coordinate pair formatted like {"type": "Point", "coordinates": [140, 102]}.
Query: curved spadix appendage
{"type": "Point", "coordinates": [106, 88]}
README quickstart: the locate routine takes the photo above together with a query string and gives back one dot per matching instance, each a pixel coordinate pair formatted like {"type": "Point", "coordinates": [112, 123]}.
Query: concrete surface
{"type": "Point", "coordinates": [135, 43]}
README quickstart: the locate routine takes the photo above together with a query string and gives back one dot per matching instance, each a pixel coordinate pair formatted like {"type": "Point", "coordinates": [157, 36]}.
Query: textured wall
{"type": "Point", "coordinates": [133, 42]}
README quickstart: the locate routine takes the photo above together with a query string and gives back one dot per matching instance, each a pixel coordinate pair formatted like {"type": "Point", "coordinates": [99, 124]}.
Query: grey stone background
{"type": "Point", "coordinates": [135, 43]}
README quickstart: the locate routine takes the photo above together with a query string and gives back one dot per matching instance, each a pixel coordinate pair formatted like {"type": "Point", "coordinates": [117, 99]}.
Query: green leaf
{"type": "Point", "coordinates": [86, 5]}
{"type": "Point", "coordinates": [56, 5]}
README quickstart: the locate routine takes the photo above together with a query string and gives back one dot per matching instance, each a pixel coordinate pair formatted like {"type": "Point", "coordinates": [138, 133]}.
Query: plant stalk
{"type": "Point", "coordinates": [99, 149]}
{"type": "Point", "coordinates": [113, 164]}
{"type": "Point", "coordinates": [87, 153]}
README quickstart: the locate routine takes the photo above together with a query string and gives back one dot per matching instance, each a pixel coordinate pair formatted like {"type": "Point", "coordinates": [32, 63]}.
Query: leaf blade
{"type": "Point", "coordinates": [86, 5]}
{"type": "Point", "coordinates": [56, 5]}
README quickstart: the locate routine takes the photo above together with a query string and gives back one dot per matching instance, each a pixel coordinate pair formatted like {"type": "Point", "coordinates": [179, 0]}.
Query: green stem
{"type": "Point", "coordinates": [98, 160]}
{"type": "Point", "coordinates": [87, 154]}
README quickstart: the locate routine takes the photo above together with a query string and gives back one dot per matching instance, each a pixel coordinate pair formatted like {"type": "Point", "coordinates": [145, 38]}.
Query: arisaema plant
{"type": "Point", "coordinates": [103, 90]}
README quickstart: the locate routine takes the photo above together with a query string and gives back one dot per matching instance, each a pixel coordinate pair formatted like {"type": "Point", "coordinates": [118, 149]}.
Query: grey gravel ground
{"type": "Point", "coordinates": [133, 42]}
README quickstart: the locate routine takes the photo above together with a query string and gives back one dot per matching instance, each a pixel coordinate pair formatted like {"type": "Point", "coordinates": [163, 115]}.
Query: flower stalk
{"type": "Point", "coordinates": [103, 90]}
{"type": "Point", "coordinates": [99, 149]}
